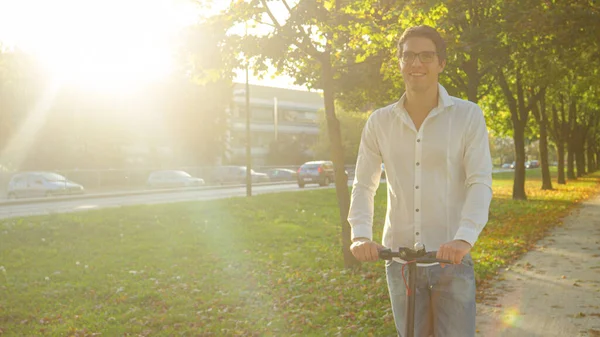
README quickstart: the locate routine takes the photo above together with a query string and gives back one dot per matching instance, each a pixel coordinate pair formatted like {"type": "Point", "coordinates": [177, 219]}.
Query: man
{"type": "Point", "coordinates": [439, 176]}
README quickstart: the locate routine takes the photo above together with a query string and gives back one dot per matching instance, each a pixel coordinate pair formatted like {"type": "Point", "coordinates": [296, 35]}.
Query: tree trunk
{"type": "Point", "coordinates": [591, 161]}
{"type": "Point", "coordinates": [558, 134]}
{"type": "Point", "coordinates": [470, 68]}
{"type": "Point", "coordinates": [337, 155]}
{"type": "Point", "coordinates": [519, 181]}
{"type": "Point", "coordinates": [473, 84]}
{"type": "Point", "coordinates": [571, 147]}
{"type": "Point", "coordinates": [540, 116]}
{"type": "Point", "coordinates": [570, 161]}
{"type": "Point", "coordinates": [546, 178]}
{"type": "Point", "coordinates": [519, 120]}
{"type": "Point", "coordinates": [580, 140]}
{"type": "Point", "coordinates": [560, 151]}
{"type": "Point", "coordinates": [580, 156]}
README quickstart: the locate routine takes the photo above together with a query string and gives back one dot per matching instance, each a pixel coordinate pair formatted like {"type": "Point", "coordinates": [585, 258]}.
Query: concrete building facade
{"type": "Point", "coordinates": [276, 115]}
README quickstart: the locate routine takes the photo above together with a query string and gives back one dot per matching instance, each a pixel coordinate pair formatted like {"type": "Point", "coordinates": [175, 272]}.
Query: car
{"type": "Point", "coordinates": [237, 175]}
{"type": "Point", "coordinates": [532, 164]}
{"type": "Point", "coordinates": [41, 184]}
{"type": "Point", "coordinates": [513, 165]}
{"type": "Point", "coordinates": [173, 178]}
{"type": "Point", "coordinates": [507, 165]}
{"type": "Point", "coordinates": [316, 172]}
{"type": "Point", "coordinates": [281, 174]}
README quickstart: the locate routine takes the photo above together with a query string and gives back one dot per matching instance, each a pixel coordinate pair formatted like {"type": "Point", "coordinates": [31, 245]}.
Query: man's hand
{"type": "Point", "coordinates": [453, 251]}
{"type": "Point", "coordinates": [365, 250]}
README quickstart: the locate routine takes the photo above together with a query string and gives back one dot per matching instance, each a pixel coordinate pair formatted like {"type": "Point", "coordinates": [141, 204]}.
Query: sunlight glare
{"type": "Point", "coordinates": [511, 317]}
{"type": "Point", "coordinates": [98, 43]}
{"type": "Point", "coordinates": [20, 144]}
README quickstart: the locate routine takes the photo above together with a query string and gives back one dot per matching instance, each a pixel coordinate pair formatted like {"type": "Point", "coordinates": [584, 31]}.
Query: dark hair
{"type": "Point", "coordinates": [426, 32]}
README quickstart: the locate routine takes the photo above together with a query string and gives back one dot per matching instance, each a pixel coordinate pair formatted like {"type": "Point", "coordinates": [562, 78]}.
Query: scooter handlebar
{"type": "Point", "coordinates": [428, 257]}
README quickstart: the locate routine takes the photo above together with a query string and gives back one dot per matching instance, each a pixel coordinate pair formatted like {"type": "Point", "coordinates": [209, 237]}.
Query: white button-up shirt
{"type": "Point", "coordinates": [439, 178]}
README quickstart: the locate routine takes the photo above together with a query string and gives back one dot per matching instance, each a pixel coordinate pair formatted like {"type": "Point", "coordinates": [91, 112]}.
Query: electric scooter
{"type": "Point", "coordinates": [412, 256]}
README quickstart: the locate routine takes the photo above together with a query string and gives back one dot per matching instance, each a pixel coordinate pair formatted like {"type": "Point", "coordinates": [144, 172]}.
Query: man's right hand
{"type": "Point", "coordinates": [366, 250]}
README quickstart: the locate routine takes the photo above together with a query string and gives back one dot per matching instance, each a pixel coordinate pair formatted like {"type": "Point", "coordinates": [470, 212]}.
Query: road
{"type": "Point", "coordinates": [74, 205]}
{"type": "Point", "coordinates": [83, 204]}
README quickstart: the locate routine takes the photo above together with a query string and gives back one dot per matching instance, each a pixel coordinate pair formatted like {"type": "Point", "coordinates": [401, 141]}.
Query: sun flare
{"type": "Point", "coordinates": [98, 44]}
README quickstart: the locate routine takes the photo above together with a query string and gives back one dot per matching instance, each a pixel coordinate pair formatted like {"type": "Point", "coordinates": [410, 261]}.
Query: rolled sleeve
{"type": "Point", "coordinates": [478, 171]}
{"type": "Point", "coordinates": [366, 181]}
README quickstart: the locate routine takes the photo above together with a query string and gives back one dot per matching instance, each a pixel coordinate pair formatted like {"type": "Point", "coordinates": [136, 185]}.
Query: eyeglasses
{"type": "Point", "coordinates": [424, 56]}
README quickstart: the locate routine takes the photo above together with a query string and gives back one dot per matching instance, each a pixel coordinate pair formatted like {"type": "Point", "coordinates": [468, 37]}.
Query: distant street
{"type": "Point", "coordinates": [74, 205]}
{"type": "Point", "coordinates": [77, 205]}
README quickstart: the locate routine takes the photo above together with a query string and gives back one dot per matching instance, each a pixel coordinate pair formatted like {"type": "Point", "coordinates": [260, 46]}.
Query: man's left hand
{"type": "Point", "coordinates": [454, 251]}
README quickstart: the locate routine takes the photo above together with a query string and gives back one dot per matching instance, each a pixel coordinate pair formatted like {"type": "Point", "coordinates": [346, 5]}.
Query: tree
{"type": "Point", "coordinates": [539, 112]}
{"type": "Point", "coordinates": [572, 33]}
{"type": "Point", "coordinates": [351, 124]}
{"type": "Point", "coordinates": [203, 90]}
{"type": "Point", "coordinates": [288, 150]}
{"type": "Point", "coordinates": [196, 116]}
{"type": "Point", "coordinates": [560, 133]}
{"type": "Point", "coordinates": [502, 149]}
{"type": "Point", "coordinates": [470, 28]}
{"type": "Point", "coordinates": [21, 84]}
{"type": "Point", "coordinates": [314, 44]}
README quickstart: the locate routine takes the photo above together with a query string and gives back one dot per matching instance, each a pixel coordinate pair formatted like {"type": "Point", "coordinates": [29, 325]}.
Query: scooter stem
{"type": "Point", "coordinates": [410, 300]}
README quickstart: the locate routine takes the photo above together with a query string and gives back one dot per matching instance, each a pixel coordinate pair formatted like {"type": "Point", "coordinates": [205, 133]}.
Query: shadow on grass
{"type": "Point", "coordinates": [267, 265]}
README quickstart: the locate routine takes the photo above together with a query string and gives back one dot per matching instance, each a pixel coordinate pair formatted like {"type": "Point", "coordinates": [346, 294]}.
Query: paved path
{"type": "Point", "coordinates": [553, 290]}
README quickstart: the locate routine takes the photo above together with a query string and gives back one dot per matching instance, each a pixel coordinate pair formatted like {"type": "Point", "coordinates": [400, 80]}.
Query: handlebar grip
{"type": "Point", "coordinates": [429, 257]}
{"type": "Point", "coordinates": [385, 254]}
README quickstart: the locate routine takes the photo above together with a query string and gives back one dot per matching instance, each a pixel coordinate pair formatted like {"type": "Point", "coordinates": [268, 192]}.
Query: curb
{"type": "Point", "coordinates": [25, 201]}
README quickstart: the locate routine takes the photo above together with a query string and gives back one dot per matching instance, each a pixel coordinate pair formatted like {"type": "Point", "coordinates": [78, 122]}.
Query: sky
{"type": "Point", "coordinates": [87, 42]}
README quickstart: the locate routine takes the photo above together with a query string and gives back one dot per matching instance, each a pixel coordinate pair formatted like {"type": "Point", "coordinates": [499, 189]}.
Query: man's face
{"type": "Point", "coordinates": [420, 64]}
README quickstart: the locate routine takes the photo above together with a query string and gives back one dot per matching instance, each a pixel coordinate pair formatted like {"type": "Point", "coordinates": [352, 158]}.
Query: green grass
{"type": "Point", "coordinates": [270, 265]}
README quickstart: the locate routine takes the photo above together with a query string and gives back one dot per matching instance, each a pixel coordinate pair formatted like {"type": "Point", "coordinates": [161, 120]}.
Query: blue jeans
{"type": "Point", "coordinates": [445, 299]}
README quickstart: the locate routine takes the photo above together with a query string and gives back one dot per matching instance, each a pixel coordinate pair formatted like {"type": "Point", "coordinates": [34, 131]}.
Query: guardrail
{"type": "Point", "coordinates": [131, 192]}
{"type": "Point", "coordinates": [153, 191]}
{"type": "Point", "coordinates": [125, 193]}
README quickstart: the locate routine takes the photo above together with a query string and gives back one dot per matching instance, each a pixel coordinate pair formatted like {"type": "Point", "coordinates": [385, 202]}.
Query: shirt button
{"type": "Point", "coordinates": [417, 233]}
{"type": "Point", "coordinates": [418, 163]}
{"type": "Point", "coordinates": [416, 210]}
{"type": "Point", "coordinates": [418, 140]}
{"type": "Point", "coordinates": [417, 187]}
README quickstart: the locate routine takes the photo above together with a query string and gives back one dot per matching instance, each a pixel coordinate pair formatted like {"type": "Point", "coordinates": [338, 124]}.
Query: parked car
{"type": "Point", "coordinates": [237, 175]}
{"type": "Point", "coordinates": [532, 164]}
{"type": "Point", "coordinates": [173, 178]}
{"type": "Point", "coordinates": [281, 174]}
{"type": "Point", "coordinates": [41, 184]}
{"type": "Point", "coordinates": [316, 172]}
{"type": "Point", "coordinates": [507, 165]}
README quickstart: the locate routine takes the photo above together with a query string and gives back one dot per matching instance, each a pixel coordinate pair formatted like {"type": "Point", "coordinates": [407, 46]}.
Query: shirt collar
{"type": "Point", "coordinates": [444, 101]}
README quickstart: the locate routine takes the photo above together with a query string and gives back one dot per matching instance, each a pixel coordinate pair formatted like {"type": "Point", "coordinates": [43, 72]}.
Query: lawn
{"type": "Point", "coordinates": [270, 265]}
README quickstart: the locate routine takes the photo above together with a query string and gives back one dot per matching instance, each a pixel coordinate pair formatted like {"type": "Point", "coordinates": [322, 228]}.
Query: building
{"type": "Point", "coordinates": [276, 115]}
